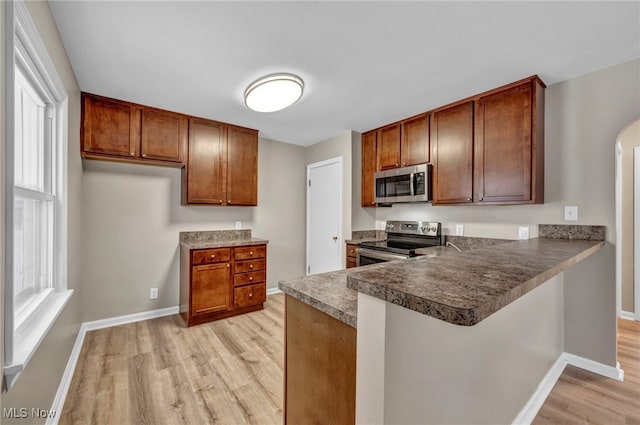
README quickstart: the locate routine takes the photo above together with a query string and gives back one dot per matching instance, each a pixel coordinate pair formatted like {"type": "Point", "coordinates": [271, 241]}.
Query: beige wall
{"type": "Point", "coordinates": [339, 146]}
{"type": "Point", "coordinates": [583, 118]}
{"type": "Point", "coordinates": [132, 218]}
{"type": "Point", "coordinates": [38, 384]}
{"type": "Point", "coordinates": [628, 140]}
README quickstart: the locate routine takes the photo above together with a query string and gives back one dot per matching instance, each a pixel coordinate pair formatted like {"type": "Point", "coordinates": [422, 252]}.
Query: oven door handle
{"type": "Point", "coordinates": [378, 255]}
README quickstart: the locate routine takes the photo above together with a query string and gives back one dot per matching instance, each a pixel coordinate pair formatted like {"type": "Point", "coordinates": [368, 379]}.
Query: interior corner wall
{"type": "Point", "coordinates": [339, 146]}
{"type": "Point", "coordinates": [628, 140]}
{"type": "Point", "coordinates": [2, 191]}
{"type": "Point", "coordinates": [37, 385]}
{"type": "Point", "coordinates": [583, 117]}
{"type": "Point", "coordinates": [133, 216]}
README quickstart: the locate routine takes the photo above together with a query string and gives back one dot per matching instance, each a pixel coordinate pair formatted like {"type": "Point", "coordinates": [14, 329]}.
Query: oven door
{"type": "Point", "coordinates": [369, 256]}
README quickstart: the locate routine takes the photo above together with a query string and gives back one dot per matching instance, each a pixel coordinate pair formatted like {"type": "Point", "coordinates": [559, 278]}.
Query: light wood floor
{"type": "Point", "coordinates": [230, 372]}
{"type": "Point", "coordinates": [159, 372]}
{"type": "Point", "coordinates": [581, 397]}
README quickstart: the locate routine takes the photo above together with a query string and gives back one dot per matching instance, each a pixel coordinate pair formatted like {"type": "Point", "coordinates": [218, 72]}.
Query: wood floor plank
{"type": "Point", "coordinates": [160, 372]}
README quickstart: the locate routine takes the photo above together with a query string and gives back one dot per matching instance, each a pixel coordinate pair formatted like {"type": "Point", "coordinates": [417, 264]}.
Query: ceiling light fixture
{"type": "Point", "coordinates": [273, 92]}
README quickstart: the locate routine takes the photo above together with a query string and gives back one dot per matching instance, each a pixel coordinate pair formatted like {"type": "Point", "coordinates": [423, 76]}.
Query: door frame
{"type": "Point", "coordinates": [636, 232]}
{"type": "Point", "coordinates": [326, 162]}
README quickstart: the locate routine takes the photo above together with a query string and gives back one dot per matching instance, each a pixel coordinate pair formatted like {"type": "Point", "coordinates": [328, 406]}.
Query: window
{"type": "Point", "coordinates": [35, 164]}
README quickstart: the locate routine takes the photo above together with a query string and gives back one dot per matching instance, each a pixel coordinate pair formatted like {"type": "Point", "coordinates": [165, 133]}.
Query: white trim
{"type": "Point", "coordinates": [618, 212]}
{"type": "Point", "coordinates": [337, 160]}
{"type": "Point", "coordinates": [627, 315]}
{"type": "Point", "coordinates": [273, 291]}
{"type": "Point", "coordinates": [130, 318]}
{"type": "Point", "coordinates": [65, 382]}
{"type": "Point", "coordinates": [636, 231]}
{"type": "Point", "coordinates": [533, 405]}
{"type": "Point", "coordinates": [531, 408]}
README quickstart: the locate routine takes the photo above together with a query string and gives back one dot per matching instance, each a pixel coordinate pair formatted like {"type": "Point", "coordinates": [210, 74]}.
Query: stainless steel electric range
{"type": "Point", "coordinates": [403, 238]}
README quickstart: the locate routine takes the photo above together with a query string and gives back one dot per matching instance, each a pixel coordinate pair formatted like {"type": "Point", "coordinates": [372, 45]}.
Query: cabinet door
{"type": "Point", "coordinates": [164, 135]}
{"type": "Point", "coordinates": [503, 146]}
{"type": "Point", "coordinates": [452, 140]}
{"type": "Point", "coordinates": [242, 168]}
{"type": "Point", "coordinates": [368, 168]}
{"type": "Point", "coordinates": [206, 163]}
{"type": "Point", "coordinates": [414, 148]}
{"type": "Point", "coordinates": [110, 127]}
{"type": "Point", "coordinates": [210, 288]}
{"type": "Point", "coordinates": [388, 147]}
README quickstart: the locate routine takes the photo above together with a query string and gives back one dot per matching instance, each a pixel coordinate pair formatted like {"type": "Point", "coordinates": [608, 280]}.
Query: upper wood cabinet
{"type": "Point", "coordinates": [205, 176]}
{"type": "Point", "coordinates": [222, 165]}
{"type": "Point", "coordinates": [509, 153]}
{"type": "Point", "coordinates": [242, 166]}
{"type": "Point", "coordinates": [388, 147]}
{"type": "Point", "coordinates": [403, 143]}
{"type": "Point", "coordinates": [452, 144]}
{"type": "Point", "coordinates": [115, 130]}
{"type": "Point", "coordinates": [368, 169]}
{"type": "Point", "coordinates": [414, 148]}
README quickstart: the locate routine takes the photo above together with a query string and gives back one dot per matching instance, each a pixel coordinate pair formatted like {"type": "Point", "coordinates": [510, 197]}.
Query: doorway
{"type": "Point", "coordinates": [324, 216]}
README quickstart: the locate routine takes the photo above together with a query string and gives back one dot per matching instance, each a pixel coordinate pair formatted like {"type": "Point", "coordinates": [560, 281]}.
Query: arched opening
{"type": "Point", "coordinates": [627, 153]}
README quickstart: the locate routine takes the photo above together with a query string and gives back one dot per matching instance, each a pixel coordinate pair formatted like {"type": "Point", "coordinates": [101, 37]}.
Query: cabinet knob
{"type": "Point", "coordinates": [144, 155]}
{"type": "Point", "coordinates": [228, 265]}
{"type": "Point", "coordinates": [373, 203]}
{"type": "Point", "coordinates": [397, 164]}
{"type": "Point", "coordinates": [250, 266]}
{"type": "Point", "coordinates": [220, 201]}
{"type": "Point", "coordinates": [250, 252]}
{"type": "Point", "coordinates": [250, 278]}
{"type": "Point", "coordinates": [250, 294]}
{"type": "Point", "coordinates": [469, 199]}
{"type": "Point", "coordinates": [213, 256]}
{"type": "Point", "coordinates": [404, 163]}
{"type": "Point", "coordinates": [133, 154]}
{"type": "Point", "coordinates": [228, 201]}
{"type": "Point", "coordinates": [481, 198]}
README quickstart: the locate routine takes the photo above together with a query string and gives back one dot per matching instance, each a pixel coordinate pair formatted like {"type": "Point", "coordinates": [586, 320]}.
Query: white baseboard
{"type": "Point", "coordinates": [627, 315]}
{"type": "Point", "coordinates": [272, 291]}
{"type": "Point", "coordinates": [65, 382]}
{"type": "Point", "coordinates": [531, 408]}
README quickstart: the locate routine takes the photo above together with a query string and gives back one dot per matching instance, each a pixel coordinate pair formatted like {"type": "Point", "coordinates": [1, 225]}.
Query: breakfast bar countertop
{"type": "Point", "coordinates": [459, 288]}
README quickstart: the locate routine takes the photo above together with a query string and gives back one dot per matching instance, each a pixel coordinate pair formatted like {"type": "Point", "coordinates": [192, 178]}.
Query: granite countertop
{"type": "Point", "coordinates": [358, 236]}
{"type": "Point", "coordinates": [460, 288]}
{"type": "Point", "coordinates": [219, 239]}
{"type": "Point", "coordinates": [465, 288]}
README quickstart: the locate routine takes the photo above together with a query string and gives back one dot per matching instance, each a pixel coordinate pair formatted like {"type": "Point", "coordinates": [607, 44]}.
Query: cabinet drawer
{"type": "Point", "coordinates": [250, 265]}
{"type": "Point", "coordinates": [351, 262]}
{"type": "Point", "coordinates": [206, 256]}
{"type": "Point", "coordinates": [250, 277]}
{"type": "Point", "coordinates": [250, 295]}
{"type": "Point", "coordinates": [249, 252]}
{"type": "Point", "coordinates": [351, 250]}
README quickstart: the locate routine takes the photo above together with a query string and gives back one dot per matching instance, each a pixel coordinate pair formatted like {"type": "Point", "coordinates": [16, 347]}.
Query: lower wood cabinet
{"type": "Point", "coordinates": [320, 367]}
{"type": "Point", "coordinates": [221, 282]}
{"type": "Point", "coordinates": [351, 255]}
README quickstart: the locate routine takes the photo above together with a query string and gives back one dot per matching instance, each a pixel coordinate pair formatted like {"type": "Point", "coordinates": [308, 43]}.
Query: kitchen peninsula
{"type": "Point", "coordinates": [453, 338]}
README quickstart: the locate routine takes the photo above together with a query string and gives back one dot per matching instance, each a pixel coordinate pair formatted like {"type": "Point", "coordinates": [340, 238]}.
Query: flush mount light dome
{"type": "Point", "coordinates": [273, 92]}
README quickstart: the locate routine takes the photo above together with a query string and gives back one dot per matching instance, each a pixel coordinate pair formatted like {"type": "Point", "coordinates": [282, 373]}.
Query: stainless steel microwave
{"type": "Point", "coordinates": [407, 184]}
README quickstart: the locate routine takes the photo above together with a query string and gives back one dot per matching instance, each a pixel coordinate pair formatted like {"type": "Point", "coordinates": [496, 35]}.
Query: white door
{"type": "Point", "coordinates": [324, 216]}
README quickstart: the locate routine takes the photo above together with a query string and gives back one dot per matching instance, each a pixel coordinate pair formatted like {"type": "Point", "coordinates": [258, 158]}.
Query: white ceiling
{"type": "Point", "coordinates": [365, 64]}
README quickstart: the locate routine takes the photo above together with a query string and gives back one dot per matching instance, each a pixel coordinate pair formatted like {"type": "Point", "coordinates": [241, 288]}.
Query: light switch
{"type": "Point", "coordinates": [459, 229]}
{"type": "Point", "coordinates": [571, 213]}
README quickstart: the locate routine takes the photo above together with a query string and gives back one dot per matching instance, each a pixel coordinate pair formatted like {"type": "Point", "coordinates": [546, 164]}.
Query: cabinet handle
{"type": "Point", "coordinates": [250, 278]}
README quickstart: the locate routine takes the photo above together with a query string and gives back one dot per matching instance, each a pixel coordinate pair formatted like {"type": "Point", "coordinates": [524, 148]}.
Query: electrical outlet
{"type": "Point", "coordinates": [459, 229]}
{"type": "Point", "coordinates": [571, 213]}
{"type": "Point", "coordinates": [153, 294]}
{"type": "Point", "coordinates": [238, 225]}
{"type": "Point", "coordinates": [523, 232]}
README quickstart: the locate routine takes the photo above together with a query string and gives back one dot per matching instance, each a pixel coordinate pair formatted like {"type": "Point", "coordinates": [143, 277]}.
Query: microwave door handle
{"type": "Point", "coordinates": [412, 183]}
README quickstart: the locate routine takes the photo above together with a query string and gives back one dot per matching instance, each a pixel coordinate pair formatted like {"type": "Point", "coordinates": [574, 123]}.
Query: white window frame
{"type": "Point", "coordinates": [24, 332]}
